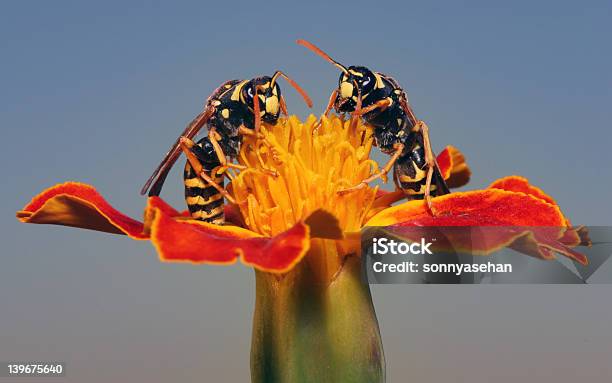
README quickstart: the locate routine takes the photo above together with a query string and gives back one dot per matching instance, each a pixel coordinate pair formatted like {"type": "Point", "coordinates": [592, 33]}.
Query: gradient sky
{"type": "Point", "coordinates": [97, 93]}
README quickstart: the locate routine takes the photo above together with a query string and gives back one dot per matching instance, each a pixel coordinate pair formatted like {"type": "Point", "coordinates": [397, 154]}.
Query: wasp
{"type": "Point", "coordinates": [383, 104]}
{"type": "Point", "coordinates": [234, 110]}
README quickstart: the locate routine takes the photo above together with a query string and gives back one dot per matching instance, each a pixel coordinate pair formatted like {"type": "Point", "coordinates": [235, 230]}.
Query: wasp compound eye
{"type": "Point", "coordinates": [364, 77]}
{"type": "Point", "coordinates": [249, 94]}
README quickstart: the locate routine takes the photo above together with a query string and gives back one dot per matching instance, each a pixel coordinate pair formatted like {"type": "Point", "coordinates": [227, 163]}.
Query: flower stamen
{"type": "Point", "coordinates": [311, 165]}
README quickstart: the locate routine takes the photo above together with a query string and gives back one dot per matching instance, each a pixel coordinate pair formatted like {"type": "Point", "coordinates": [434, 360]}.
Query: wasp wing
{"type": "Point", "coordinates": [156, 181]}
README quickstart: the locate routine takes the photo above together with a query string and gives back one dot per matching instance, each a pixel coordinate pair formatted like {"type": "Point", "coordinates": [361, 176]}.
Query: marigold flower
{"type": "Point", "coordinates": [313, 315]}
{"type": "Point", "coordinates": [271, 226]}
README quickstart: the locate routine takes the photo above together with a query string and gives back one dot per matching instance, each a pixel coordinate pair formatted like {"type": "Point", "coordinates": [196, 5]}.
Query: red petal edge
{"type": "Point", "coordinates": [79, 205]}
{"type": "Point", "coordinates": [521, 184]}
{"type": "Point", "coordinates": [572, 236]}
{"type": "Point", "coordinates": [200, 242]}
{"type": "Point", "coordinates": [453, 167]}
{"type": "Point", "coordinates": [525, 222]}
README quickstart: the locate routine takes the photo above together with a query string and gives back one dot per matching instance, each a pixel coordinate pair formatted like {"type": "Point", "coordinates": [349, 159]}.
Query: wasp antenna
{"type": "Point", "coordinates": [295, 86]}
{"type": "Point", "coordinates": [275, 77]}
{"type": "Point", "coordinates": [318, 51]}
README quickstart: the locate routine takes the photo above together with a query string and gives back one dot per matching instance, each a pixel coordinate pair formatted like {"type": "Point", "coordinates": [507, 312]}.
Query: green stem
{"type": "Point", "coordinates": [305, 330]}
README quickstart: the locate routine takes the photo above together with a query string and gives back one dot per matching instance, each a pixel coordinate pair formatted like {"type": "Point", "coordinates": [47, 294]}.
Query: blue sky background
{"type": "Point", "coordinates": [96, 92]}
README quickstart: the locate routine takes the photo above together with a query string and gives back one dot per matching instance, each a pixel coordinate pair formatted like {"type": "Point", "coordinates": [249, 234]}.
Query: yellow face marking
{"type": "Point", "coordinates": [272, 105]}
{"type": "Point", "coordinates": [346, 89]}
{"type": "Point", "coordinates": [225, 113]}
{"type": "Point", "coordinates": [216, 103]}
{"type": "Point", "coordinates": [355, 73]}
{"type": "Point", "coordinates": [237, 93]}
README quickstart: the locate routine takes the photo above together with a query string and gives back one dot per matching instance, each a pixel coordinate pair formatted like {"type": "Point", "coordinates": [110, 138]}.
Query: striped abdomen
{"type": "Point", "coordinates": [203, 200]}
{"type": "Point", "coordinates": [410, 173]}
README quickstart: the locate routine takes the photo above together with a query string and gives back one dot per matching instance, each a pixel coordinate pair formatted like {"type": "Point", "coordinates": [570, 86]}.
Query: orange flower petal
{"type": "Point", "coordinates": [490, 207]}
{"type": "Point", "coordinates": [527, 223]}
{"type": "Point", "coordinates": [200, 242]}
{"type": "Point", "coordinates": [453, 167]}
{"type": "Point", "coordinates": [79, 205]}
{"type": "Point", "coordinates": [158, 203]}
{"type": "Point", "coordinates": [520, 184]}
{"type": "Point", "coordinates": [233, 215]}
{"type": "Point", "coordinates": [572, 236]}
{"type": "Point", "coordinates": [173, 233]}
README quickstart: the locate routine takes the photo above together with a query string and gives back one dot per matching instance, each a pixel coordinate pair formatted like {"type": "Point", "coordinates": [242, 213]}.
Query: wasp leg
{"type": "Point", "coordinates": [382, 104]}
{"type": "Point", "coordinates": [214, 140]}
{"type": "Point", "coordinates": [273, 151]}
{"type": "Point", "coordinates": [389, 198]}
{"type": "Point", "coordinates": [430, 160]}
{"type": "Point", "coordinates": [248, 132]}
{"type": "Point", "coordinates": [264, 168]}
{"type": "Point", "coordinates": [256, 110]}
{"type": "Point", "coordinates": [355, 116]}
{"type": "Point", "coordinates": [332, 101]}
{"type": "Point", "coordinates": [399, 149]}
{"type": "Point", "coordinates": [283, 106]}
{"type": "Point", "coordinates": [187, 148]}
{"type": "Point", "coordinates": [221, 190]}
{"type": "Point", "coordinates": [223, 170]}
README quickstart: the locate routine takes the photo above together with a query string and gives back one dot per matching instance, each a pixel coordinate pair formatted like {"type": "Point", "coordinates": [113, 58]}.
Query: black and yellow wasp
{"type": "Point", "coordinates": [230, 113]}
{"type": "Point", "coordinates": [383, 104]}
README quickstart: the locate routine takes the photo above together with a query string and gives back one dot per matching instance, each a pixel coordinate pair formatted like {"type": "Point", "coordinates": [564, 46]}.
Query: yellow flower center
{"type": "Point", "coordinates": [298, 168]}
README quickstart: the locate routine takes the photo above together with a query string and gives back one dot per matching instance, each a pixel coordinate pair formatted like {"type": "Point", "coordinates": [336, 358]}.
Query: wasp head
{"type": "Point", "coordinates": [354, 81]}
{"type": "Point", "coordinates": [268, 94]}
